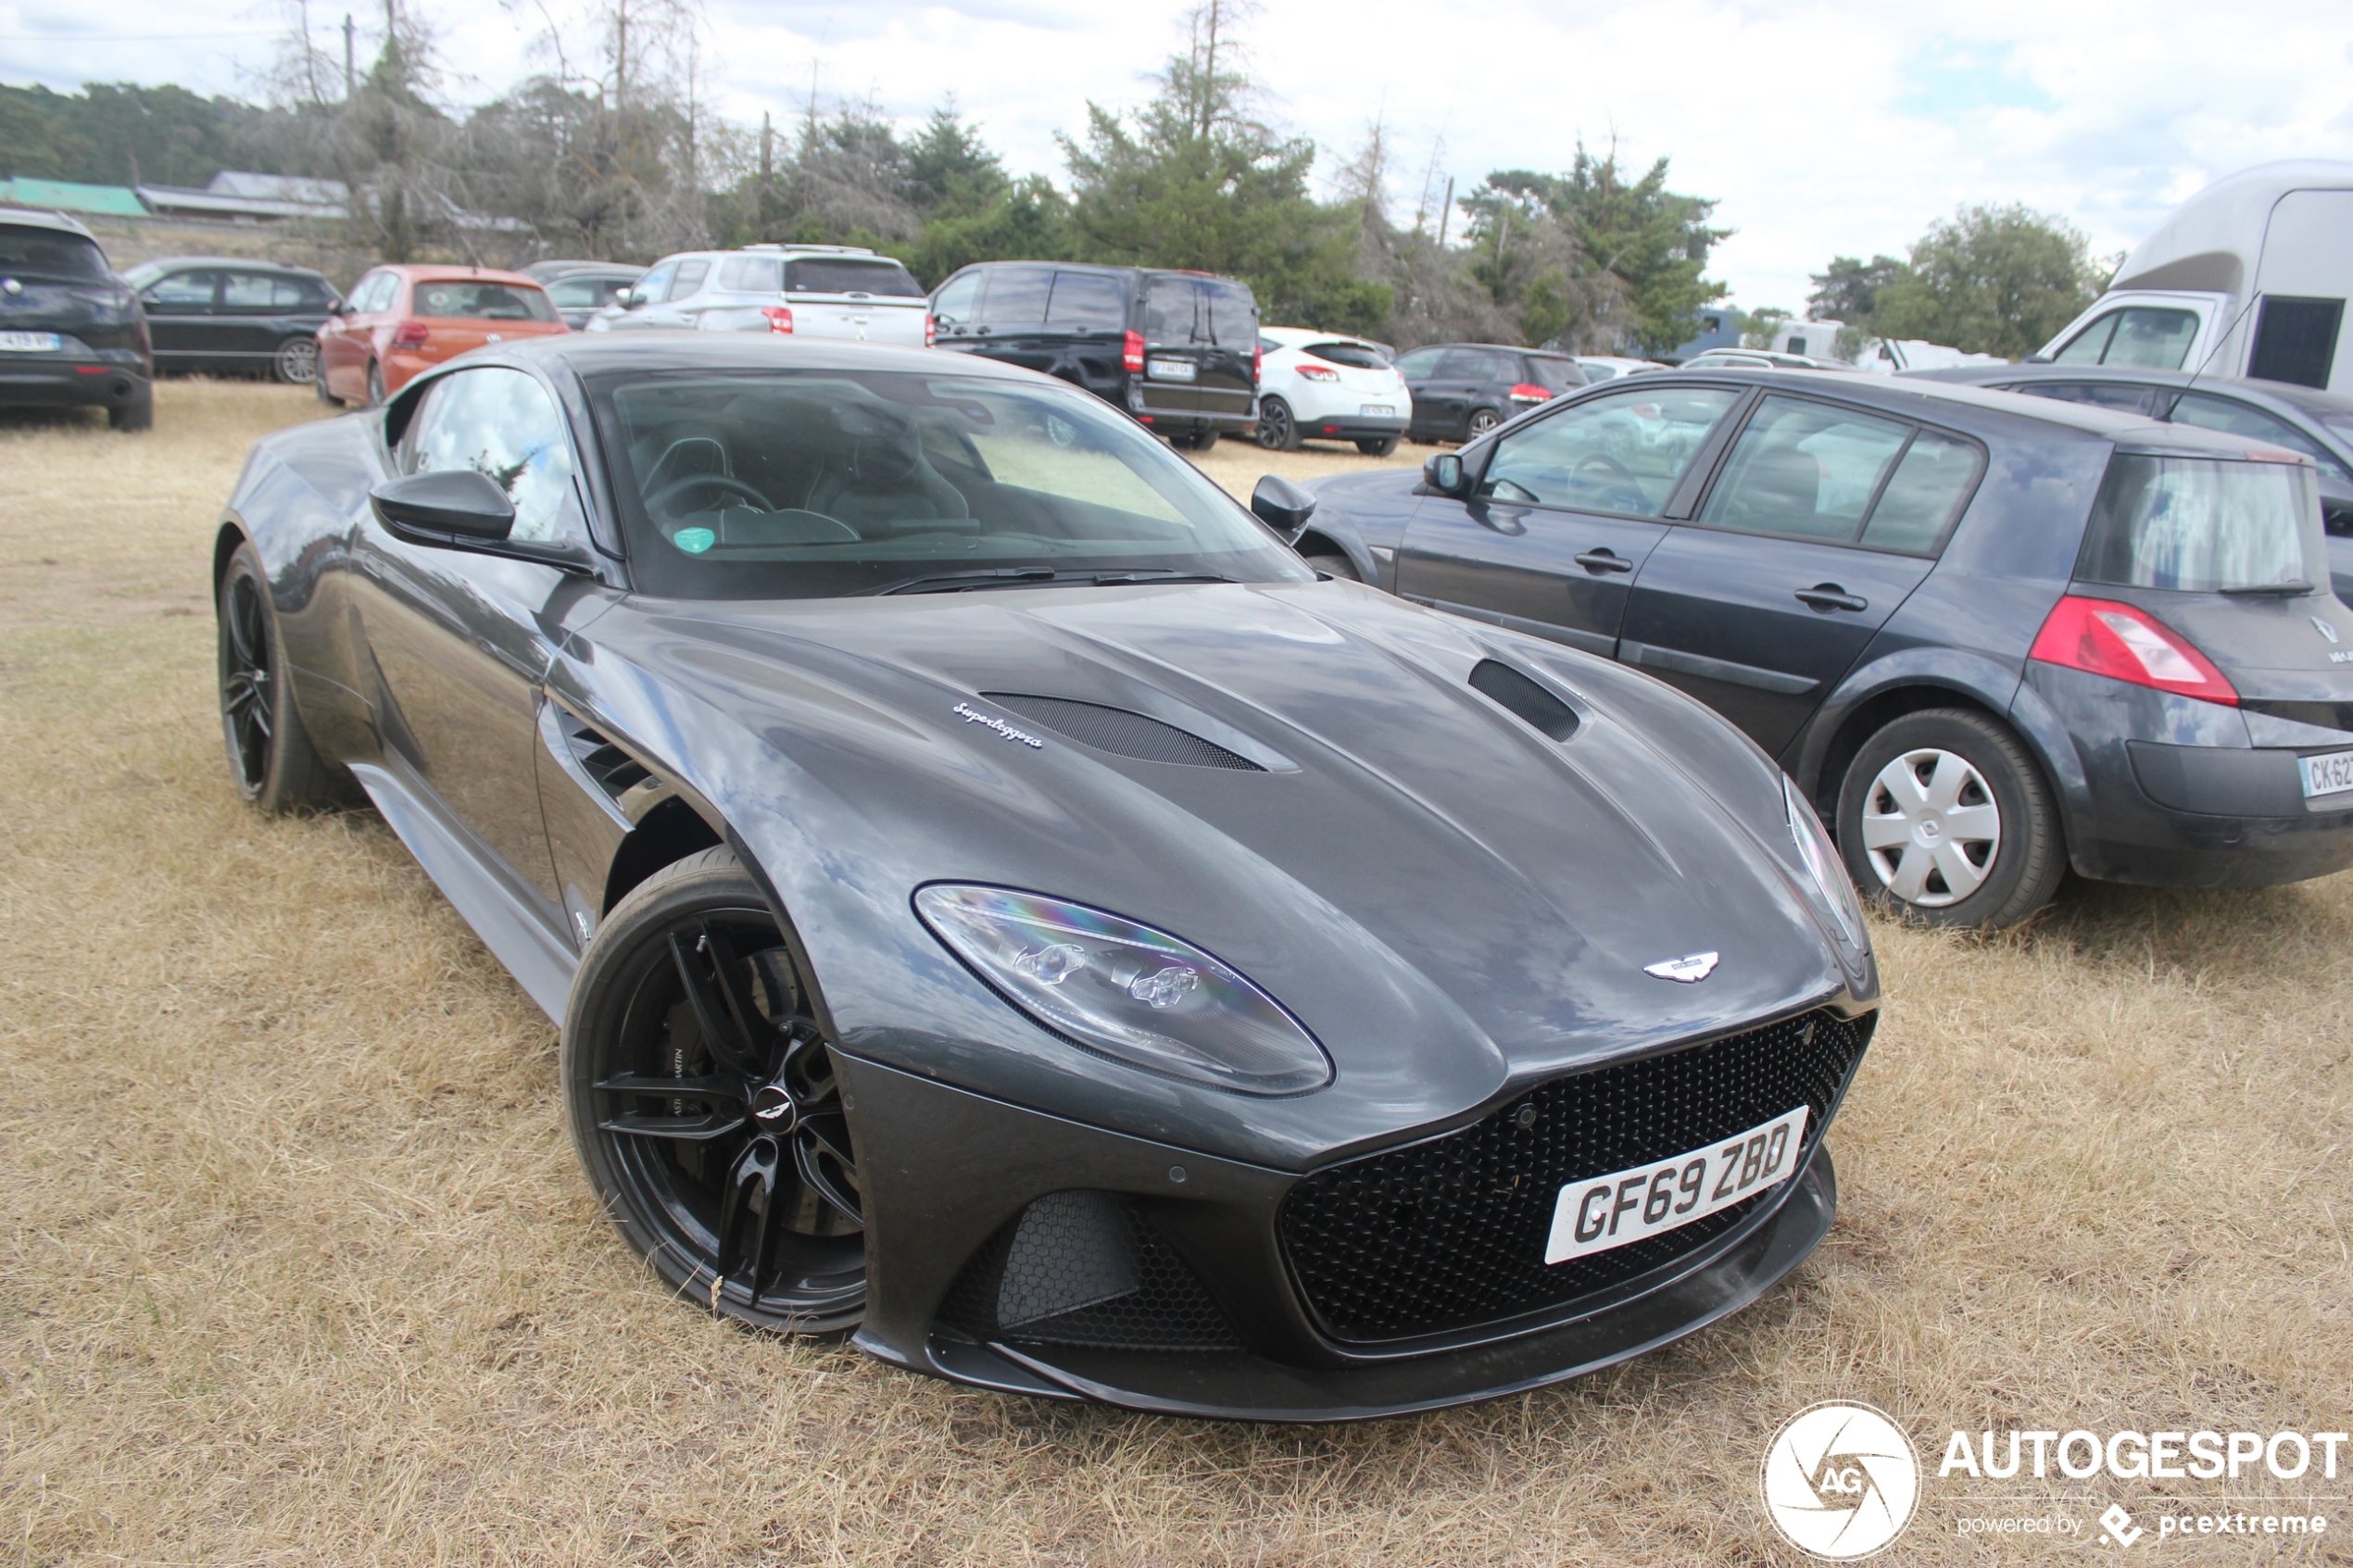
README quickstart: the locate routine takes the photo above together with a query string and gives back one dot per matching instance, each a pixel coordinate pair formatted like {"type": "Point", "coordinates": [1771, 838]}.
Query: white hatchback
{"type": "Point", "coordinates": [1323, 387]}
{"type": "Point", "coordinates": [813, 291]}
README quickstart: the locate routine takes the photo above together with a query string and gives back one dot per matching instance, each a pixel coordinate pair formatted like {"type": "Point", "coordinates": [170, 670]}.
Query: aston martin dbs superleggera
{"type": "Point", "coordinates": [1000, 902]}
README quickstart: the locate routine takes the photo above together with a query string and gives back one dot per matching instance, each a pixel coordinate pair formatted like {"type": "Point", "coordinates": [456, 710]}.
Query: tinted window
{"type": "Point", "coordinates": [1017, 296]}
{"type": "Point", "coordinates": [655, 285]}
{"type": "Point", "coordinates": [825, 483]}
{"type": "Point", "coordinates": [2100, 394]}
{"type": "Point", "coordinates": [464, 299]}
{"type": "Point", "coordinates": [46, 253]}
{"type": "Point", "coordinates": [1467, 364]}
{"type": "Point", "coordinates": [1620, 453]}
{"type": "Point", "coordinates": [182, 290]}
{"type": "Point", "coordinates": [2201, 526]}
{"type": "Point", "coordinates": [1804, 469]}
{"type": "Point", "coordinates": [1355, 356]}
{"type": "Point", "coordinates": [1168, 310]}
{"type": "Point", "coordinates": [752, 274]}
{"type": "Point", "coordinates": [844, 274]}
{"type": "Point", "coordinates": [1232, 313]}
{"type": "Point", "coordinates": [690, 277]}
{"type": "Point", "coordinates": [263, 291]}
{"type": "Point", "coordinates": [500, 422]}
{"type": "Point", "coordinates": [956, 301]}
{"type": "Point", "coordinates": [1088, 299]}
{"type": "Point", "coordinates": [2296, 340]}
{"type": "Point", "coordinates": [1421, 364]}
{"type": "Point", "coordinates": [2235, 417]}
{"type": "Point", "coordinates": [1555, 375]}
{"type": "Point", "coordinates": [1926, 492]}
{"type": "Point", "coordinates": [586, 293]}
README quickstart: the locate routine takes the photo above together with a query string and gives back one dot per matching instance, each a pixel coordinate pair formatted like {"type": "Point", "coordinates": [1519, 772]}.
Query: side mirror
{"type": "Point", "coordinates": [630, 299]}
{"type": "Point", "coordinates": [1282, 505]}
{"type": "Point", "coordinates": [451, 507]}
{"type": "Point", "coordinates": [2036, 360]}
{"type": "Point", "coordinates": [1443, 473]}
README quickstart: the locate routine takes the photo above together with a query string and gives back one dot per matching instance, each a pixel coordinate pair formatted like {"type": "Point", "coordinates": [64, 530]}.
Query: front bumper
{"type": "Point", "coordinates": [71, 381]}
{"type": "Point", "coordinates": [947, 1175]}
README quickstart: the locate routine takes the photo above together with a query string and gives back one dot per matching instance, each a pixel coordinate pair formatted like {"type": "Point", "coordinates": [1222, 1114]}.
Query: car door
{"type": "Point", "coordinates": [1172, 327]}
{"type": "Point", "coordinates": [349, 342]}
{"type": "Point", "coordinates": [255, 312]}
{"type": "Point", "coordinates": [1227, 381]}
{"type": "Point", "coordinates": [1418, 368]}
{"type": "Point", "coordinates": [461, 641]}
{"type": "Point", "coordinates": [1455, 387]}
{"type": "Point", "coordinates": [1011, 315]}
{"type": "Point", "coordinates": [678, 306]}
{"type": "Point", "coordinates": [179, 306]}
{"type": "Point", "coordinates": [1568, 509]}
{"type": "Point", "coordinates": [1823, 520]}
{"type": "Point", "coordinates": [653, 291]}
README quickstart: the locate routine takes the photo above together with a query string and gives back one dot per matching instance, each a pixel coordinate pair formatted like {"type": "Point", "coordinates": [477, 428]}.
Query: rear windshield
{"type": "Point", "coordinates": [465, 299]}
{"type": "Point", "coordinates": [1555, 375]}
{"type": "Point", "coordinates": [1355, 356]}
{"type": "Point", "coordinates": [1229, 313]}
{"type": "Point", "coordinates": [591, 292]}
{"type": "Point", "coordinates": [2203, 526]}
{"type": "Point", "coordinates": [842, 274]}
{"type": "Point", "coordinates": [45, 253]}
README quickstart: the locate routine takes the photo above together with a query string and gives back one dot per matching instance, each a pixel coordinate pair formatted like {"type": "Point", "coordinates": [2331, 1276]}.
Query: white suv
{"type": "Point", "coordinates": [1327, 386]}
{"type": "Point", "coordinates": [814, 291]}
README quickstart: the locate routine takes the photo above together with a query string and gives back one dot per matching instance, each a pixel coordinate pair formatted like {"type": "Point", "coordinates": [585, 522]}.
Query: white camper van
{"type": "Point", "coordinates": [2250, 278]}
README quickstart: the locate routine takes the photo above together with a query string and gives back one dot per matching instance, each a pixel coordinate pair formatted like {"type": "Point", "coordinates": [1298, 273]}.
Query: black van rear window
{"type": "Point", "coordinates": [1232, 313]}
{"type": "Point", "coordinates": [843, 274]}
{"type": "Point", "coordinates": [47, 253]}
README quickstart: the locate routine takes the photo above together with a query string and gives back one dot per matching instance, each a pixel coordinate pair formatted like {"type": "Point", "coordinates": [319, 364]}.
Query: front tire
{"type": "Point", "coordinates": [1381, 447]}
{"type": "Point", "coordinates": [296, 361]}
{"type": "Point", "coordinates": [1481, 421]}
{"type": "Point", "coordinates": [138, 414]}
{"type": "Point", "coordinates": [705, 1102]}
{"type": "Point", "coordinates": [375, 386]}
{"type": "Point", "coordinates": [1945, 816]}
{"type": "Point", "coordinates": [1278, 431]}
{"type": "Point", "coordinates": [270, 757]}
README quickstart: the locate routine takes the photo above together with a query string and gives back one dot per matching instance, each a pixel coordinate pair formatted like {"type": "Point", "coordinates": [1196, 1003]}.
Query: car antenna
{"type": "Point", "coordinates": [2251, 297]}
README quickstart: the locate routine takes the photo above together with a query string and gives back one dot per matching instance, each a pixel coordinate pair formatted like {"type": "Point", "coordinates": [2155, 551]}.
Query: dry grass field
{"type": "Point", "coordinates": [296, 1267]}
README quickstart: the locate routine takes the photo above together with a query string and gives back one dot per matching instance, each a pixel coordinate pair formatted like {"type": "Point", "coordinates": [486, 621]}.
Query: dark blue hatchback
{"type": "Point", "coordinates": [1992, 636]}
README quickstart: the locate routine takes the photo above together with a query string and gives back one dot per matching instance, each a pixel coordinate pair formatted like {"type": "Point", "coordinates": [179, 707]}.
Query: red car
{"type": "Point", "coordinates": [400, 321]}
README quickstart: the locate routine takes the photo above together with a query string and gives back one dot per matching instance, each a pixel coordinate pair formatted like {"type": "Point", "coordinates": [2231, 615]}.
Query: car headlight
{"type": "Point", "coordinates": [1132, 993]}
{"type": "Point", "coordinates": [1822, 862]}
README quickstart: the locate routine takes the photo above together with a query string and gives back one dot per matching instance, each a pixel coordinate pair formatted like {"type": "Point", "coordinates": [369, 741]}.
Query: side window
{"type": "Point", "coordinates": [2152, 340]}
{"type": "Point", "coordinates": [183, 291]}
{"type": "Point", "coordinates": [258, 291]}
{"type": "Point", "coordinates": [1924, 495]}
{"type": "Point", "coordinates": [1465, 364]}
{"type": "Point", "coordinates": [1420, 364]}
{"type": "Point", "coordinates": [2234, 418]}
{"type": "Point", "coordinates": [1168, 310]}
{"type": "Point", "coordinates": [1088, 299]}
{"type": "Point", "coordinates": [657, 283]}
{"type": "Point", "coordinates": [2120, 396]}
{"type": "Point", "coordinates": [752, 274]}
{"type": "Point", "coordinates": [954, 305]}
{"type": "Point", "coordinates": [2090, 346]}
{"type": "Point", "coordinates": [1016, 296]}
{"type": "Point", "coordinates": [1622, 453]}
{"type": "Point", "coordinates": [690, 277]}
{"type": "Point", "coordinates": [380, 291]}
{"type": "Point", "coordinates": [502, 423]}
{"type": "Point", "coordinates": [1804, 469]}
{"type": "Point", "coordinates": [1232, 313]}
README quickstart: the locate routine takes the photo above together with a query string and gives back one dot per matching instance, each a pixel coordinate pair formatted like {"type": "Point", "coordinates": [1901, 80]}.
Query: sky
{"type": "Point", "coordinates": [1821, 129]}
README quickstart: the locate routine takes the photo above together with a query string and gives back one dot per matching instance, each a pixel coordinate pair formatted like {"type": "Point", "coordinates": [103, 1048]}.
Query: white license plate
{"type": "Point", "coordinates": [31, 343]}
{"type": "Point", "coordinates": [1601, 1212]}
{"type": "Point", "coordinates": [1377, 410]}
{"type": "Point", "coordinates": [2331, 775]}
{"type": "Point", "coordinates": [1170, 369]}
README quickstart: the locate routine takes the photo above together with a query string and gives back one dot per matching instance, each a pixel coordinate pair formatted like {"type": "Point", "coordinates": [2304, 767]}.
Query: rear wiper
{"type": "Point", "coordinates": [957, 582]}
{"type": "Point", "coordinates": [2296, 589]}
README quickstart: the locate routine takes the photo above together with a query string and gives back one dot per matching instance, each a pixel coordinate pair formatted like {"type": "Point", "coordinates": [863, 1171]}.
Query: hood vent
{"type": "Point", "coordinates": [1543, 712]}
{"type": "Point", "coordinates": [1124, 734]}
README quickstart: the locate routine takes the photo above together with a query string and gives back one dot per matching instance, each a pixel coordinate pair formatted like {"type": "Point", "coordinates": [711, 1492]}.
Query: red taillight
{"type": "Point", "coordinates": [1131, 354]}
{"type": "Point", "coordinates": [931, 329]}
{"type": "Point", "coordinates": [780, 320]}
{"type": "Point", "coordinates": [1258, 365]}
{"type": "Point", "coordinates": [1316, 372]}
{"type": "Point", "coordinates": [2103, 637]}
{"type": "Point", "coordinates": [411, 335]}
{"type": "Point", "coordinates": [1528, 392]}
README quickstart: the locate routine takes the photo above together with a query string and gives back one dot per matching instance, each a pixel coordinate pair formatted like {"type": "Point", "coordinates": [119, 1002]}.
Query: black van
{"type": "Point", "coordinates": [1177, 349]}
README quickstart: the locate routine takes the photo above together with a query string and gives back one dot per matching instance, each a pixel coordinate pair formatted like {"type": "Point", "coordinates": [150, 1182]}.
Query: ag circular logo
{"type": "Point", "coordinates": [1840, 1480]}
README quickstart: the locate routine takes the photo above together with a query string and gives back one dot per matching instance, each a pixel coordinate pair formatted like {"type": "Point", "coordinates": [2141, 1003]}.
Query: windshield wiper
{"type": "Point", "coordinates": [1157, 574]}
{"type": "Point", "coordinates": [957, 582]}
{"type": "Point", "coordinates": [2296, 589]}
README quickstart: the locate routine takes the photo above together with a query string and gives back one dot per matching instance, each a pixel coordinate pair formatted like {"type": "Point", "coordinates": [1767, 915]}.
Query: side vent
{"type": "Point", "coordinates": [1539, 709]}
{"type": "Point", "coordinates": [614, 769]}
{"type": "Point", "coordinates": [1123, 733]}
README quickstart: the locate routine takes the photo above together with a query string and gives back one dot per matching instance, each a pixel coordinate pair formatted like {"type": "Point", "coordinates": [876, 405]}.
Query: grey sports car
{"type": "Point", "coordinates": [1000, 902]}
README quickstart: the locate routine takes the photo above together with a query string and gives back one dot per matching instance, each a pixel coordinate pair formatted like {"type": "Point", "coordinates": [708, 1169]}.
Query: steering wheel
{"type": "Point", "coordinates": [1604, 460]}
{"type": "Point", "coordinates": [658, 501]}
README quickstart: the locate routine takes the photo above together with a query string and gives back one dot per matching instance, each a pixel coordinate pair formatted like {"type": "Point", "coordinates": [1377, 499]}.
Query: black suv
{"type": "Point", "coordinates": [1990, 636]}
{"type": "Point", "coordinates": [221, 316]}
{"type": "Point", "coordinates": [1177, 349]}
{"type": "Point", "coordinates": [71, 334]}
{"type": "Point", "coordinates": [1463, 390]}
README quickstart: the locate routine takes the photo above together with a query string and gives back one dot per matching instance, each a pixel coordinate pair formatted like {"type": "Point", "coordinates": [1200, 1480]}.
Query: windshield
{"type": "Point", "coordinates": [444, 298]}
{"type": "Point", "coordinates": [814, 483]}
{"type": "Point", "coordinates": [2203, 526]}
{"type": "Point", "coordinates": [49, 253]}
{"type": "Point", "coordinates": [831, 274]}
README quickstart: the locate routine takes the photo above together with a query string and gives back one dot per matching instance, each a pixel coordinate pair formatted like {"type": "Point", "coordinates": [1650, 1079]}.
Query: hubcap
{"type": "Point", "coordinates": [1931, 828]}
{"type": "Point", "coordinates": [723, 1106]}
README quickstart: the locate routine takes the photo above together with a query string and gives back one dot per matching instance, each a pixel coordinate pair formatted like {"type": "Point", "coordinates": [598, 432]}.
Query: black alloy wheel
{"type": "Point", "coordinates": [1482, 420]}
{"type": "Point", "coordinates": [1277, 431]}
{"type": "Point", "coordinates": [270, 756]}
{"type": "Point", "coordinates": [703, 1097]}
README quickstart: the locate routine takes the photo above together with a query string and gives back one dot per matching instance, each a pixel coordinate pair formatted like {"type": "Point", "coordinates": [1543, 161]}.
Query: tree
{"type": "Point", "coordinates": [1995, 280]}
{"type": "Point", "coordinates": [1848, 290]}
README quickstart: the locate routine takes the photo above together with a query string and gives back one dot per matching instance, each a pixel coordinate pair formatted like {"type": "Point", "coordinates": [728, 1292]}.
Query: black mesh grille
{"type": "Point", "coordinates": [1444, 1235]}
{"type": "Point", "coordinates": [1121, 733]}
{"type": "Point", "coordinates": [1082, 1244]}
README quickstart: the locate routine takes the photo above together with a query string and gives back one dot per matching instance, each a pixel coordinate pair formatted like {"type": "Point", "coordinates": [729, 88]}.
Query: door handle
{"type": "Point", "coordinates": [1829, 596]}
{"type": "Point", "coordinates": [1602, 560]}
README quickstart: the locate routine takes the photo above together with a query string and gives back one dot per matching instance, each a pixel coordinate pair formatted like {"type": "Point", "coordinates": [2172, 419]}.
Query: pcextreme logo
{"type": "Point", "coordinates": [1840, 1481]}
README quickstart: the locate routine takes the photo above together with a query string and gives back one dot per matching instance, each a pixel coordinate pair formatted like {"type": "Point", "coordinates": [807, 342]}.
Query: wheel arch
{"type": "Point", "coordinates": [1911, 681]}
{"type": "Point", "coordinates": [1318, 542]}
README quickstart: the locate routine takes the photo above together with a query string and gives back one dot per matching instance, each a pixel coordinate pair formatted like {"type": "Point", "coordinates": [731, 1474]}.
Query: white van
{"type": "Point", "coordinates": [2250, 278]}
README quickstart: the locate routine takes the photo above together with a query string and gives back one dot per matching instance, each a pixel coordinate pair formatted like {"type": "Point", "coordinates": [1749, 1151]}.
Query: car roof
{"type": "Point", "coordinates": [244, 263]}
{"type": "Point", "coordinates": [659, 349]}
{"type": "Point", "coordinates": [2308, 399]}
{"type": "Point", "coordinates": [42, 218]}
{"type": "Point", "coordinates": [567, 268]}
{"type": "Point", "coordinates": [454, 272]}
{"type": "Point", "coordinates": [1309, 335]}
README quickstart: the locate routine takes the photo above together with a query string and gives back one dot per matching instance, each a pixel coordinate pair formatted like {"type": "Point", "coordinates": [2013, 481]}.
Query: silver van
{"type": "Point", "coordinates": [812, 290]}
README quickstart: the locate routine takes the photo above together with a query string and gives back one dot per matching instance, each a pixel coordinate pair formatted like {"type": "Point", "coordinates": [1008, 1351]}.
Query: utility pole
{"type": "Point", "coordinates": [1446, 212]}
{"type": "Point", "coordinates": [767, 147]}
{"type": "Point", "coordinates": [620, 59]}
{"type": "Point", "coordinates": [350, 79]}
